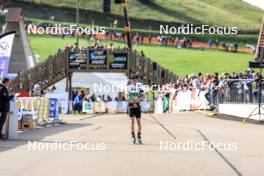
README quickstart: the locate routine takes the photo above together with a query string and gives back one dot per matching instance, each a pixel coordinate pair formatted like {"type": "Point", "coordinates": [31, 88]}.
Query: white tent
{"type": "Point", "coordinates": [88, 80]}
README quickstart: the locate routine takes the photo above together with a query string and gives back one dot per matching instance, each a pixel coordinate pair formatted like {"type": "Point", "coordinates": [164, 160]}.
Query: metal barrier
{"type": "Point", "coordinates": [236, 91]}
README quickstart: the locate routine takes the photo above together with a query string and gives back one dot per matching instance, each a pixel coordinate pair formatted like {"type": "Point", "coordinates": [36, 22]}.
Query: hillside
{"type": "Point", "coordinates": [180, 61]}
{"type": "Point", "coordinates": [213, 12]}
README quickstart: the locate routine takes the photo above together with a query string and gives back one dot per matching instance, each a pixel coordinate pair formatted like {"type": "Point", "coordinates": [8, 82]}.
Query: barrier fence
{"type": "Point", "coordinates": [112, 107]}
{"type": "Point", "coordinates": [184, 101]}
{"type": "Point", "coordinates": [40, 109]}
{"type": "Point", "coordinates": [235, 91]}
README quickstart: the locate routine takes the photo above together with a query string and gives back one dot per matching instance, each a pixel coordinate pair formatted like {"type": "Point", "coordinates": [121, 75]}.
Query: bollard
{"type": "Point", "coordinates": [13, 121]}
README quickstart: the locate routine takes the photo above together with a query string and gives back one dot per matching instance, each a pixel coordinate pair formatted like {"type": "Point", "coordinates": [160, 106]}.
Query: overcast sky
{"type": "Point", "coordinates": [258, 3]}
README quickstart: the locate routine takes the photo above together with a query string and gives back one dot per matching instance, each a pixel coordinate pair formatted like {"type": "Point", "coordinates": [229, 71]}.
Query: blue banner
{"type": "Point", "coordinates": [54, 108]}
{"type": "Point", "coordinates": [4, 64]}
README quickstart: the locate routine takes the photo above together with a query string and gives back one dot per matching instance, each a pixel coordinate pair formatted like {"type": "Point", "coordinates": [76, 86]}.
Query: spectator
{"type": "Point", "coordinates": [93, 98]}
{"type": "Point", "coordinates": [5, 97]}
{"type": "Point", "coordinates": [109, 98]}
{"type": "Point", "coordinates": [77, 103]}
{"type": "Point", "coordinates": [210, 43]}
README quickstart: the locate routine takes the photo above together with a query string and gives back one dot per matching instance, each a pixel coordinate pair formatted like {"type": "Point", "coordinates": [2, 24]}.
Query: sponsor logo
{"type": "Point", "coordinates": [3, 48]}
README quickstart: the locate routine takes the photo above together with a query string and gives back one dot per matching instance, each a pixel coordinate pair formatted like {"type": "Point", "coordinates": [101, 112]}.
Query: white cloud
{"type": "Point", "coordinates": [258, 3]}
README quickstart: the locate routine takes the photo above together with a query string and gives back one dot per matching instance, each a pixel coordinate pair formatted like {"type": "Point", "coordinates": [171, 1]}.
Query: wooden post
{"type": "Point", "coordinates": [107, 60]}
{"type": "Point", "coordinates": [260, 39]}
{"type": "Point", "coordinates": [69, 79]}
{"type": "Point", "coordinates": [148, 71]}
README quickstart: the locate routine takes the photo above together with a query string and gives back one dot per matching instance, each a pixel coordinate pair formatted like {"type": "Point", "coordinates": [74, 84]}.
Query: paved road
{"type": "Point", "coordinates": [123, 158]}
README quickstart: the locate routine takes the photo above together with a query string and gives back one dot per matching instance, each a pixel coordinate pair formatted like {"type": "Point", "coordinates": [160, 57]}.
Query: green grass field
{"type": "Point", "coordinates": [212, 12]}
{"type": "Point", "coordinates": [180, 61]}
{"type": "Point", "coordinates": [186, 61]}
{"type": "Point", "coordinates": [241, 39]}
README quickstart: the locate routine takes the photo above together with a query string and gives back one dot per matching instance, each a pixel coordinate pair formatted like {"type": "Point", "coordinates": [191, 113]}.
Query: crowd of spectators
{"type": "Point", "coordinates": [232, 47]}
{"type": "Point", "coordinates": [218, 88]}
{"type": "Point", "coordinates": [184, 42]}
{"type": "Point", "coordinates": [227, 87]}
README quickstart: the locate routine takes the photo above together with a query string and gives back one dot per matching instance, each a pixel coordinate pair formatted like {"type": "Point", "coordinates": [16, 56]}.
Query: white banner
{"type": "Point", "coordinates": [158, 106]}
{"type": "Point", "coordinates": [63, 99]}
{"type": "Point", "coordinates": [184, 101]}
{"type": "Point", "coordinates": [112, 107]}
{"type": "Point", "coordinates": [145, 106]}
{"type": "Point", "coordinates": [38, 107]}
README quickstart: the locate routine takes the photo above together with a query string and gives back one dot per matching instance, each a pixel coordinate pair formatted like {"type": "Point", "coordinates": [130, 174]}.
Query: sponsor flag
{"type": "Point", "coordinates": [6, 42]}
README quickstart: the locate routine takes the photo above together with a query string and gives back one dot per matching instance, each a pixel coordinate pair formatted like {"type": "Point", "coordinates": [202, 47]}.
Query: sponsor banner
{"type": "Point", "coordinates": [198, 100]}
{"type": "Point", "coordinates": [4, 64]}
{"type": "Point", "coordinates": [184, 101]}
{"type": "Point", "coordinates": [78, 60]}
{"type": "Point", "coordinates": [54, 108]}
{"type": "Point", "coordinates": [174, 105]}
{"type": "Point", "coordinates": [145, 106]}
{"type": "Point", "coordinates": [6, 42]}
{"type": "Point", "coordinates": [112, 107]}
{"type": "Point", "coordinates": [63, 100]}
{"type": "Point", "coordinates": [121, 106]}
{"type": "Point", "coordinates": [118, 61]}
{"type": "Point", "coordinates": [97, 59]}
{"type": "Point", "coordinates": [87, 107]}
{"type": "Point", "coordinates": [38, 107]}
{"type": "Point", "coordinates": [158, 105]}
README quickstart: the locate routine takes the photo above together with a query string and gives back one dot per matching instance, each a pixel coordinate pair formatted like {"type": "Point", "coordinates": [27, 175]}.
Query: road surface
{"type": "Point", "coordinates": [119, 157]}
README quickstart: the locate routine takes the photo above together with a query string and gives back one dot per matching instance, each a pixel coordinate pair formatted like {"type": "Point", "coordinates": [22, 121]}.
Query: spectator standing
{"type": "Point", "coordinates": [5, 97]}
{"type": "Point", "coordinates": [77, 103]}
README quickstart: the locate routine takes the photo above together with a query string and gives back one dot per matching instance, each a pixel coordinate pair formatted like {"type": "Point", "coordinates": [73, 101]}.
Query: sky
{"type": "Point", "coordinates": [258, 3]}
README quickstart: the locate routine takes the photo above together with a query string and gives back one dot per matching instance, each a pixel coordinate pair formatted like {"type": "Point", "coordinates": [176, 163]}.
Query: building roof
{"type": "Point", "coordinates": [14, 15]}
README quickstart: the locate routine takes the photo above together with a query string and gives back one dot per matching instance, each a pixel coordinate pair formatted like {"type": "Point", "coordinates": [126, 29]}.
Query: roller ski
{"type": "Point", "coordinates": [133, 137]}
{"type": "Point", "coordinates": [139, 139]}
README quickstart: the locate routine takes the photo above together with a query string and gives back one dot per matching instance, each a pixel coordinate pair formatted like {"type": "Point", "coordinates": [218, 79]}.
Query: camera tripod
{"type": "Point", "coordinates": [257, 110]}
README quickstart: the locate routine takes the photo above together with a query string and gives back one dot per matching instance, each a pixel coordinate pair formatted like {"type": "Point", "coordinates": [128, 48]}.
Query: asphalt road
{"type": "Point", "coordinates": [109, 151]}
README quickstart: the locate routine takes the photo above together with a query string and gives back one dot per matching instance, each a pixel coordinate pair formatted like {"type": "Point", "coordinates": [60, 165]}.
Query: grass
{"type": "Point", "coordinates": [180, 61]}
{"type": "Point", "coordinates": [186, 61]}
{"type": "Point", "coordinates": [241, 39]}
{"type": "Point", "coordinates": [212, 12]}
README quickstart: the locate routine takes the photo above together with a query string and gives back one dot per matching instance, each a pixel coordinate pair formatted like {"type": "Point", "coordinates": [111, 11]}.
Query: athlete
{"type": "Point", "coordinates": [135, 95]}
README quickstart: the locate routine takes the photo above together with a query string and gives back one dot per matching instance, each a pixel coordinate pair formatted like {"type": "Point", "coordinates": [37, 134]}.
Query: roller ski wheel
{"type": "Point", "coordinates": [139, 140]}
{"type": "Point", "coordinates": [134, 140]}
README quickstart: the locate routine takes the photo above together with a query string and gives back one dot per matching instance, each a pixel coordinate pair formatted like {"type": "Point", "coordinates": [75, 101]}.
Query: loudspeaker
{"type": "Point", "coordinates": [154, 66]}
{"type": "Point", "coordinates": [106, 6]}
{"type": "Point", "coordinates": [120, 1]}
